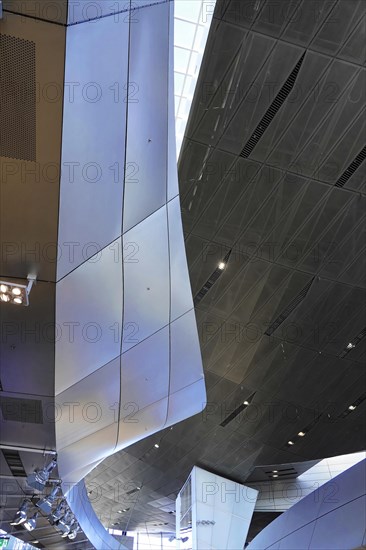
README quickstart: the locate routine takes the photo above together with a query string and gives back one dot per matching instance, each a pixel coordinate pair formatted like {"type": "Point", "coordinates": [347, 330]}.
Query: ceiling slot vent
{"type": "Point", "coordinates": [290, 308]}
{"type": "Point", "coordinates": [18, 98]}
{"type": "Point", "coordinates": [237, 411]}
{"type": "Point", "coordinates": [272, 110]}
{"type": "Point", "coordinates": [351, 169]}
{"type": "Point", "coordinates": [211, 280]}
{"type": "Point", "coordinates": [353, 343]}
{"type": "Point", "coordinates": [132, 492]}
{"type": "Point", "coordinates": [14, 462]}
{"type": "Point", "coordinates": [287, 470]}
{"type": "Point", "coordinates": [354, 405]}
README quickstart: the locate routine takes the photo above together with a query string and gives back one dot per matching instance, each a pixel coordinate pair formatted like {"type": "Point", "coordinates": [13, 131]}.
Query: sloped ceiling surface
{"type": "Point", "coordinates": [289, 203]}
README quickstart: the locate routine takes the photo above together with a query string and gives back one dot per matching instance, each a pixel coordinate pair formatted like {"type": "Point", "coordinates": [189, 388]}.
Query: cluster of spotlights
{"type": "Point", "coordinates": [17, 294]}
{"type": "Point", "coordinates": [60, 516]}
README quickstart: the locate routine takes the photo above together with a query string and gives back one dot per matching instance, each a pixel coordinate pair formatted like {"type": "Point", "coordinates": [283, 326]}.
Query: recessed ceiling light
{"type": "Point", "coordinates": [16, 291]}
{"type": "Point", "coordinates": [275, 475]}
{"type": "Point", "coordinates": [301, 434]}
{"type": "Point", "coordinates": [3, 288]}
{"type": "Point", "coordinates": [275, 471]}
{"type": "Point", "coordinates": [290, 442]}
{"type": "Point", "coordinates": [352, 407]}
{"type": "Point", "coordinates": [4, 298]}
{"type": "Point", "coordinates": [246, 403]}
{"type": "Point", "coordinates": [18, 301]}
{"type": "Point", "coordinates": [156, 445]}
{"type": "Point", "coordinates": [351, 346]}
{"type": "Point", "coordinates": [222, 265]}
{"type": "Point", "coordinates": [35, 541]}
{"type": "Point", "coordinates": [119, 511]}
{"type": "Point", "coordinates": [138, 488]}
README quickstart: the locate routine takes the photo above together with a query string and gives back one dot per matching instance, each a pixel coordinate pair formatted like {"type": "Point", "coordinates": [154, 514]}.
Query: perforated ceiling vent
{"type": "Point", "coordinates": [272, 110]}
{"type": "Point", "coordinates": [351, 169]}
{"type": "Point", "coordinates": [18, 98]}
{"type": "Point", "coordinates": [290, 308]}
{"type": "Point", "coordinates": [21, 410]}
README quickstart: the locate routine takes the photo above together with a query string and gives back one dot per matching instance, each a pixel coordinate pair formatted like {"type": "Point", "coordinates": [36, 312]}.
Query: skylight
{"type": "Point", "coordinates": [192, 20]}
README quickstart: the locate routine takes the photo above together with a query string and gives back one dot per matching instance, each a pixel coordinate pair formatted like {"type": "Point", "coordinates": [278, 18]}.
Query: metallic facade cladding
{"type": "Point", "coordinates": [134, 367]}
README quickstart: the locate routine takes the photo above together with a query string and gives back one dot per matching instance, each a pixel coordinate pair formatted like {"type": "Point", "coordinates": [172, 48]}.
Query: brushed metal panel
{"type": "Point", "coordinates": [146, 161]}
{"type": "Point", "coordinates": [186, 362]}
{"type": "Point", "coordinates": [95, 400]}
{"type": "Point", "coordinates": [97, 534]}
{"type": "Point", "coordinates": [86, 452]}
{"type": "Point", "coordinates": [145, 422]}
{"type": "Point", "coordinates": [29, 190]}
{"type": "Point", "coordinates": [181, 293]}
{"type": "Point", "coordinates": [93, 139]}
{"type": "Point", "coordinates": [172, 173]}
{"type": "Point", "coordinates": [88, 316]}
{"type": "Point", "coordinates": [146, 277]}
{"type": "Point", "coordinates": [186, 402]}
{"type": "Point", "coordinates": [145, 374]}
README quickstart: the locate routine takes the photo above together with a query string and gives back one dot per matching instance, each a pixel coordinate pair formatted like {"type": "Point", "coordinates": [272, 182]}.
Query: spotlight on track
{"type": "Point", "coordinates": [46, 503]}
{"type": "Point", "coordinates": [74, 531]}
{"type": "Point", "coordinates": [58, 513]}
{"type": "Point", "coordinates": [31, 523]}
{"type": "Point", "coordinates": [66, 523]}
{"type": "Point", "coordinates": [22, 514]}
{"type": "Point", "coordinates": [38, 479]}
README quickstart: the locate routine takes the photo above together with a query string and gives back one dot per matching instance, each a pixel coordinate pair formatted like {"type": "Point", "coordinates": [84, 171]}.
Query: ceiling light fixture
{"type": "Point", "coordinates": [46, 503]}
{"type": "Point", "coordinates": [352, 407]}
{"type": "Point", "coordinates": [275, 471]}
{"type": "Point", "coordinates": [222, 265]}
{"type": "Point", "coordinates": [156, 445]}
{"type": "Point", "coordinates": [22, 514]}
{"type": "Point", "coordinates": [290, 442]}
{"type": "Point", "coordinates": [74, 531]}
{"type": "Point", "coordinates": [58, 512]}
{"type": "Point", "coordinates": [39, 478]}
{"type": "Point", "coordinates": [246, 403]}
{"type": "Point", "coordinates": [301, 434]}
{"type": "Point", "coordinates": [275, 475]}
{"type": "Point", "coordinates": [351, 346]}
{"type": "Point", "coordinates": [66, 524]}
{"type": "Point", "coordinates": [15, 293]}
{"type": "Point", "coordinates": [31, 523]}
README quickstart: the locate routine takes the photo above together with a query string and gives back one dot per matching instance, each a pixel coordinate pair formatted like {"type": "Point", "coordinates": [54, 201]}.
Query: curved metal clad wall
{"type": "Point", "coordinates": [128, 361]}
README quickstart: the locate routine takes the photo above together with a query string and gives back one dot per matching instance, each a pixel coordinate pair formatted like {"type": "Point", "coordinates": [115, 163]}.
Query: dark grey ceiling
{"type": "Point", "coordinates": [292, 213]}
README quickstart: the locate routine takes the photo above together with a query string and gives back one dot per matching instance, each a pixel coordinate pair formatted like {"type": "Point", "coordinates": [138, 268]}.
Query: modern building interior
{"type": "Point", "coordinates": [182, 274]}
